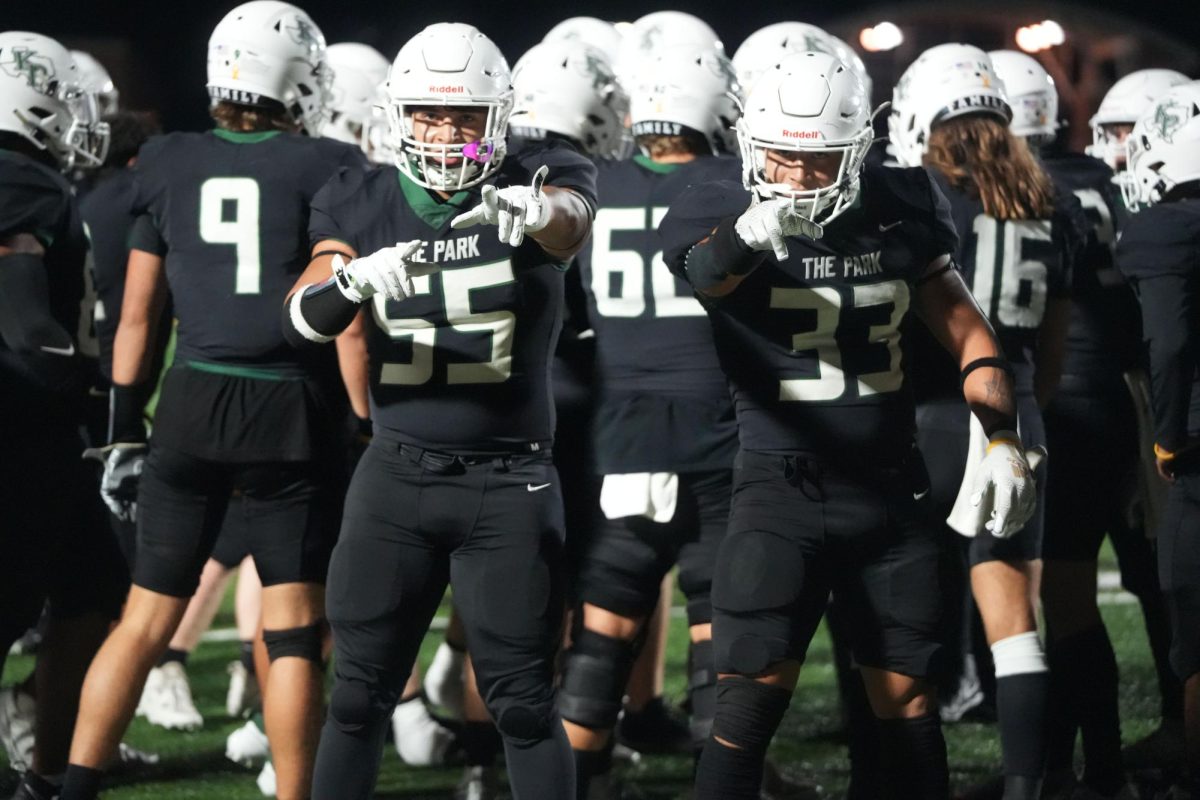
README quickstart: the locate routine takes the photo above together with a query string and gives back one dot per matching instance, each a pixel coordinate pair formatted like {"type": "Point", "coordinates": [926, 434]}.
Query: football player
{"type": "Point", "coordinates": [664, 433]}
{"type": "Point", "coordinates": [1158, 254]}
{"type": "Point", "coordinates": [222, 214]}
{"type": "Point", "coordinates": [807, 270]}
{"type": "Point", "coordinates": [457, 484]}
{"type": "Point", "coordinates": [1091, 429]}
{"type": "Point", "coordinates": [1018, 240]}
{"type": "Point", "coordinates": [56, 542]}
{"type": "Point", "coordinates": [1121, 107]}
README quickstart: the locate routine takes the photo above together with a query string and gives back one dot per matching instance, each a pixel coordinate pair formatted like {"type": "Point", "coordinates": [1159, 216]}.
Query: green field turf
{"type": "Point", "coordinates": [808, 747]}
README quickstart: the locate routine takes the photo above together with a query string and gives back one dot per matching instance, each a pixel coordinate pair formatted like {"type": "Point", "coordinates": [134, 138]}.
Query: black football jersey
{"type": "Point", "coordinates": [664, 403]}
{"type": "Point", "coordinates": [464, 365]}
{"type": "Point", "coordinates": [1012, 267]}
{"type": "Point", "coordinates": [1103, 338]}
{"type": "Point", "coordinates": [231, 211]}
{"type": "Point", "coordinates": [812, 345]}
{"type": "Point", "coordinates": [34, 199]}
{"type": "Point", "coordinates": [1159, 252]}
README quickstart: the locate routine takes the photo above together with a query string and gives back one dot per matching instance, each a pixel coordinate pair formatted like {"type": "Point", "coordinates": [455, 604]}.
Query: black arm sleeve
{"type": "Point", "coordinates": [316, 314]}
{"type": "Point", "coordinates": [718, 256]}
{"type": "Point", "coordinates": [1169, 315]}
{"type": "Point", "coordinates": [29, 329]}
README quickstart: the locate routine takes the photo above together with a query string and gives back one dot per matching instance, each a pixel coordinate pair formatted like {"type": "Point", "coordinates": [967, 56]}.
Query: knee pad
{"type": "Point", "coordinates": [304, 642]}
{"type": "Point", "coordinates": [595, 670]}
{"type": "Point", "coordinates": [350, 706]}
{"type": "Point", "coordinates": [1018, 655]}
{"type": "Point", "coordinates": [702, 690]}
{"type": "Point", "coordinates": [521, 722]}
{"type": "Point", "coordinates": [749, 712]}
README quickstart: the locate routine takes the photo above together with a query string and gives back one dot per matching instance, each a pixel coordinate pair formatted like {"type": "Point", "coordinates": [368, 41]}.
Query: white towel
{"type": "Point", "coordinates": [640, 494]}
{"type": "Point", "coordinates": [965, 518]}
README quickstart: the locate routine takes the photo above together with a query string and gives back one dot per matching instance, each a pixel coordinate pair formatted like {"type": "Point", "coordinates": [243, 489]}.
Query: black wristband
{"type": "Point", "coordinates": [720, 255]}
{"type": "Point", "coordinates": [950, 265]}
{"type": "Point", "coordinates": [1006, 424]}
{"type": "Point", "coordinates": [126, 421]}
{"type": "Point", "coordinates": [979, 363]}
{"type": "Point", "coordinates": [317, 313]}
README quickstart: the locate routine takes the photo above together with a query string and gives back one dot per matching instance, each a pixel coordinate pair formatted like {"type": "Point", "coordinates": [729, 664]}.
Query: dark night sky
{"type": "Point", "coordinates": [156, 50]}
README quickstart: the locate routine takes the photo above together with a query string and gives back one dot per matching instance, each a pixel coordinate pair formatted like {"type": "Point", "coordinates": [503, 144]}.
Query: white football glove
{"type": "Point", "coordinates": [123, 463]}
{"type": "Point", "coordinates": [388, 271]}
{"type": "Point", "coordinates": [765, 226]}
{"type": "Point", "coordinates": [1005, 491]}
{"type": "Point", "coordinates": [513, 210]}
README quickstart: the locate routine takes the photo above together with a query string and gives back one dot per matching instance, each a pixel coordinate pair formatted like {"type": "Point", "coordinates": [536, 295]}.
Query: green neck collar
{"type": "Point", "coordinates": [238, 137]}
{"type": "Point", "coordinates": [434, 212]}
{"type": "Point", "coordinates": [655, 166]}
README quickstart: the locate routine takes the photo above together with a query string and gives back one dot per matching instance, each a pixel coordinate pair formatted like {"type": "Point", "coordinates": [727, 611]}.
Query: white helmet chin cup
{"type": "Point", "coordinates": [269, 52]}
{"type": "Point", "coordinates": [1124, 104]}
{"type": "Point", "coordinates": [1031, 94]}
{"type": "Point", "coordinates": [688, 86]}
{"type": "Point", "coordinates": [946, 81]}
{"type": "Point", "coordinates": [570, 89]}
{"type": "Point", "coordinates": [449, 64]}
{"type": "Point", "coordinates": [810, 103]}
{"type": "Point", "coordinates": [359, 70]}
{"type": "Point", "coordinates": [1163, 151]}
{"type": "Point", "coordinates": [44, 100]}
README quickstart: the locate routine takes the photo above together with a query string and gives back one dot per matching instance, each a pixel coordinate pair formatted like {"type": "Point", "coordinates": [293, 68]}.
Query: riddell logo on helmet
{"type": "Point", "coordinates": [448, 89]}
{"type": "Point", "coordinates": [800, 134]}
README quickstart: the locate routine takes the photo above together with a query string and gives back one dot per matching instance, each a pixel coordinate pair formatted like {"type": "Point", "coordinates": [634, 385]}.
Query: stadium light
{"type": "Point", "coordinates": [1040, 36]}
{"type": "Point", "coordinates": [884, 36]}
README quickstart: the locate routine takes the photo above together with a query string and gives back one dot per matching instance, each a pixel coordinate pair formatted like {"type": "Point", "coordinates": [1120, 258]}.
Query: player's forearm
{"type": "Point", "coordinates": [1167, 315]}
{"type": "Point", "coordinates": [719, 262]}
{"type": "Point", "coordinates": [569, 226]}
{"type": "Point", "coordinates": [355, 366]}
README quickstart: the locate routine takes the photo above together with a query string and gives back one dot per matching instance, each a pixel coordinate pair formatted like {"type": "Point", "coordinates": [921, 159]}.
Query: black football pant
{"type": "Point", "coordinates": [493, 528]}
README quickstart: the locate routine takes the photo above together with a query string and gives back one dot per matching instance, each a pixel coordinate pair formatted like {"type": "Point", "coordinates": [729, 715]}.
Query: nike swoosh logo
{"type": "Point", "coordinates": [920, 495]}
{"type": "Point", "coordinates": [885, 228]}
{"type": "Point", "coordinates": [529, 487]}
{"type": "Point", "coordinates": [67, 351]}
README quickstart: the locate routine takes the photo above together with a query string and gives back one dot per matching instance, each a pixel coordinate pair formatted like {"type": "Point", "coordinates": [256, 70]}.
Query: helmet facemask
{"type": "Point", "coordinates": [75, 135]}
{"type": "Point", "coordinates": [425, 162]}
{"type": "Point", "coordinates": [820, 205]}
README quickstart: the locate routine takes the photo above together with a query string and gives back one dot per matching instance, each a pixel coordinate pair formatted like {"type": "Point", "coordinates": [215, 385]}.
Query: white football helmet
{"type": "Point", "coordinates": [449, 64]}
{"type": "Point", "coordinates": [358, 72]}
{"type": "Point", "coordinates": [266, 52]}
{"type": "Point", "coordinates": [850, 57]}
{"type": "Point", "coordinates": [95, 79]}
{"type": "Point", "coordinates": [689, 86]}
{"type": "Point", "coordinates": [570, 89]}
{"type": "Point", "coordinates": [596, 33]}
{"type": "Point", "coordinates": [809, 102]}
{"type": "Point", "coordinates": [1031, 95]}
{"type": "Point", "coordinates": [1124, 104]}
{"type": "Point", "coordinates": [767, 46]}
{"type": "Point", "coordinates": [1163, 151]}
{"type": "Point", "coordinates": [43, 99]}
{"type": "Point", "coordinates": [946, 81]}
{"type": "Point", "coordinates": [650, 34]}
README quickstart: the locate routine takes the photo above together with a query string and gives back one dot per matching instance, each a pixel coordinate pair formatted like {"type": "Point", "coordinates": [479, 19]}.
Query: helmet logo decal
{"type": "Point", "coordinates": [302, 33]}
{"type": "Point", "coordinates": [1169, 117]}
{"type": "Point", "coordinates": [37, 69]}
{"type": "Point", "coordinates": [786, 134]}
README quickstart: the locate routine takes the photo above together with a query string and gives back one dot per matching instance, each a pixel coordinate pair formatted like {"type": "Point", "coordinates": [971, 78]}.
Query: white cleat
{"type": "Point", "coordinates": [266, 780]}
{"type": "Point", "coordinates": [247, 746]}
{"type": "Point", "coordinates": [17, 718]}
{"type": "Point", "coordinates": [167, 699]}
{"type": "Point", "coordinates": [444, 680]}
{"type": "Point", "coordinates": [421, 741]}
{"type": "Point", "coordinates": [242, 698]}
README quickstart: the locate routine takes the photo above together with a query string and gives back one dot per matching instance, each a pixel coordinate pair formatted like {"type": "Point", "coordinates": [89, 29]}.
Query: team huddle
{"type": "Point", "coordinates": [553, 334]}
